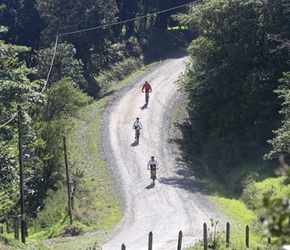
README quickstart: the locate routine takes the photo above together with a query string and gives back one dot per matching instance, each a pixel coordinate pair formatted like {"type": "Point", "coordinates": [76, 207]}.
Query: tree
{"type": "Point", "coordinates": [23, 22]}
{"type": "Point", "coordinates": [281, 143]}
{"type": "Point", "coordinates": [63, 100]}
{"type": "Point", "coordinates": [15, 89]}
{"type": "Point", "coordinates": [81, 21]}
{"type": "Point", "coordinates": [276, 216]}
{"type": "Point", "coordinates": [232, 75]}
{"type": "Point", "coordinates": [65, 64]}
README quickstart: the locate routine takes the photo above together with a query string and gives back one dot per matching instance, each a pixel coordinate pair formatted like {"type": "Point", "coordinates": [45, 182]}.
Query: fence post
{"type": "Point", "coordinates": [179, 240]}
{"type": "Point", "coordinates": [204, 236]}
{"type": "Point", "coordinates": [150, 242]}
{"type": "Point", "coordinates": [123, 247]}
{"type": "Point", "coordinates": [7, 224]}
{"type": "Point", "coordinates": [228, 234]}
{"type": "Point", "coordinates": [16, 227]}
{"type": "Point", "coordinates": [247, 236]}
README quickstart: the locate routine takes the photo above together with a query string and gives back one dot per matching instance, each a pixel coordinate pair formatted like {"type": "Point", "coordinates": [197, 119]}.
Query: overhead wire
{"type": "Point", "coordinates": [51, 64]}
{"type": "Point", "coordinates": [11, 119]}
{"type": "Point", "coordinates": [127, 20]}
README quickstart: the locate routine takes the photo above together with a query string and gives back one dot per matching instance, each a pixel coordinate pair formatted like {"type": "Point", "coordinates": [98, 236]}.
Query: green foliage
{"type": "Point", "coordinates": [64, 100]}
{"type": "Point", "coordinates": [54, 211]}
{"type": "Point", "coordinates": [117, 73]}
{"type": "Point", "coordinates": [270, 201]}
{"type": "Point", "coordinates": [65, 64]}
{"type": "Point", "coordinates": [276, 211]}
{"type": "Point", "coordinates": [281, 142]}
{"type": "Point", "coordinates": [116, 62]}
{"type": "Point", "coordinates": [12, 244]}
{"type": "Point", "coordinates": [15, 85]}
{"type": "Point", "coordinates": [231, 78]}
{"type": "Point", "coordinates": [23, 22]}
{"type": "Point", "coordinates": [249, 194]}
{"type": "Point", "coordinates": [65, 16]}
{"type": "Point", "coordinates": [96, 246]}
{"type": "Point", "coordinates": [16, 88]}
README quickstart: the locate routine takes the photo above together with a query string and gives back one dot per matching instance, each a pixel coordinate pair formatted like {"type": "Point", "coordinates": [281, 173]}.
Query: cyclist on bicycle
{"type": "Point", "coordinates": [152, 165]}
{"type": "Point", "coordinates": [137, 125]}
{"type": "Point", "coordinates": [147, 88]}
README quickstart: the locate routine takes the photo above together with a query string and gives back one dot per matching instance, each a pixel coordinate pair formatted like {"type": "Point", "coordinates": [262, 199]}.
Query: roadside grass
{"type": "Point", "coordinates": [7, 243]}
{"type": "Point", "coordinates": [274, 187]}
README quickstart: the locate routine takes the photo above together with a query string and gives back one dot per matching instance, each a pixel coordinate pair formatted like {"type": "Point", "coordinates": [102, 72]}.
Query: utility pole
{"type": "Point", "coordinates": [67, 180]}
{"type": "Point", "coordinates": [23, 223]}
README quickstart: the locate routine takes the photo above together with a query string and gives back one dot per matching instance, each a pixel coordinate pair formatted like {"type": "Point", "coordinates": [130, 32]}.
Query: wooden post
{"type": "Point", "coordinates": [150, 241]}
{"type": "Point", "coordinates": [204, 236]}
{"type": "Point", "coordinates": [7, 224]}
{"type": "Point", "coordinates": [123, 247]}
{"type": "Point", "coordinates": [228, 234]}
{"type": "Point", "coordinates": [179, 240]}
{"type": "Point", "coordinates": [16, 227]}
{"type": "Point", "coordinates": [23, 220]}
{"type": "Point", "coordinates": [247, 236]}
{"type": "Point", "coordinates": [67, 180]}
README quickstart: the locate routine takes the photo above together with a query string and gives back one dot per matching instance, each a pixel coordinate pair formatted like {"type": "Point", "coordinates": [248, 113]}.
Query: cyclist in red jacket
{"type": "Point", "coordinates": [147, 88]}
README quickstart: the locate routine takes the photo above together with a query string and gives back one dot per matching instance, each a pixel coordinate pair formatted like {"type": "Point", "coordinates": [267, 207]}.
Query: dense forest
{"type": "Point", "coordinates": [237, 81]}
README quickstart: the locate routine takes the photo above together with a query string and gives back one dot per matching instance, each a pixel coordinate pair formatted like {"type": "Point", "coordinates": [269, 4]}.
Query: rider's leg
{"type": "Point", "coordinates": [146, 95]}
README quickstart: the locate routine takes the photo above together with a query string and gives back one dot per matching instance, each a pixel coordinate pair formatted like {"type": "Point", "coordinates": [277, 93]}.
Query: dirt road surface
{"type": "Point", "coordinates": [175, 203]}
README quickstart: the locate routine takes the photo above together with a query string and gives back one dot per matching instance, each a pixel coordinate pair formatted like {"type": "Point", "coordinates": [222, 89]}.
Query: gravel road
{"type": "Point", "coordinates": [175, 202]}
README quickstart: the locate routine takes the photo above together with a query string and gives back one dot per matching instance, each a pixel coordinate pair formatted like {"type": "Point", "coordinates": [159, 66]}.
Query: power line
{"type": "Point", "coordinates": [127, 20]}
{"type": "Point", "coordinates": [51, 64]}
{"type": "Point", "coordinates": [11, 119]}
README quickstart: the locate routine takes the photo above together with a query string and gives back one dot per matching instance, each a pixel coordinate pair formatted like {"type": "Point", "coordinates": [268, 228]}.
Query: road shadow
{"type": "Point", "coordinates": [184, 181]}
{"type": "Point", "coordinates": [150, 186]}
{"type": "Point", "coordinates": [144, 106]}
{"type": "Point", "coordinates": [134, 144]}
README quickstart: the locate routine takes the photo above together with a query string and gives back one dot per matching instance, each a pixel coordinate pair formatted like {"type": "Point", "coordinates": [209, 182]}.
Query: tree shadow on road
{"type": "Point", "coordinates": [183, 181]}
{"type": "Point", "coordinates": [196, 175]}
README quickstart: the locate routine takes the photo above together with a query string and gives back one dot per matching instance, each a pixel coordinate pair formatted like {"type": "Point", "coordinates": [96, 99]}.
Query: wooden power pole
{"type": "Point", "coordinates": [67, 181]}
{"type": "Point", "coordinates": [23, 223]}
